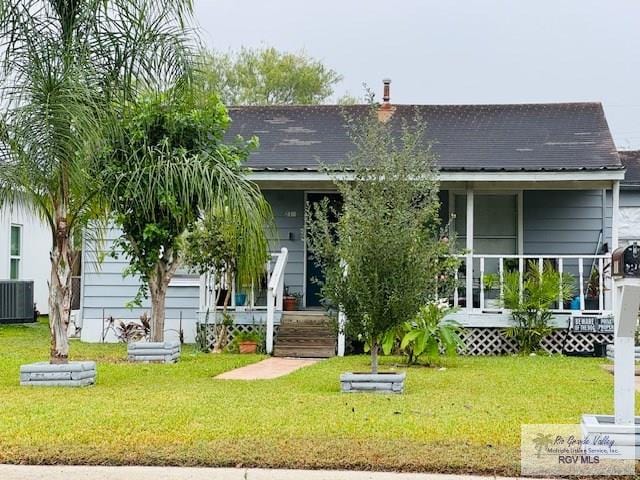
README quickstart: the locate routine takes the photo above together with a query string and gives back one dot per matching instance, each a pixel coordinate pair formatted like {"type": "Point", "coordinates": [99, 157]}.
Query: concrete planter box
{"type": "Point", "coordinates": [72, 374]}
{"type": "Point", "coordinates": [160, 352]}
{"type": "Point", "coordinates": [626, 437]}
{"type": "Point", "coordinates": [611, 350]}
{"type": "Point", "coordinates": [389, 382]}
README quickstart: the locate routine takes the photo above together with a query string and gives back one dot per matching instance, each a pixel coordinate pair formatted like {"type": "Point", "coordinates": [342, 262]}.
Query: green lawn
{"type": "Point", "coordinates": [464, 419]}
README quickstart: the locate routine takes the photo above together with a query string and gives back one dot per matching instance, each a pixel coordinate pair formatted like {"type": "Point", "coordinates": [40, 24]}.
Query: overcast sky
{"type": "Point", "coordinates": [456, 51]}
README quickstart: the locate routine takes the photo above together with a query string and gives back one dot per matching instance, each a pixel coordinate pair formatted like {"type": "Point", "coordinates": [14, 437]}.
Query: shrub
{"type": "Point", "coordinates": [531, 305]}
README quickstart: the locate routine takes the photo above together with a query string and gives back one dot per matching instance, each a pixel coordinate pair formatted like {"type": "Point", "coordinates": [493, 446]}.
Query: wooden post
{"type": "Point", "coordinates": [341, 336]}
{"type": "Point", "coordinates": [469, 271]}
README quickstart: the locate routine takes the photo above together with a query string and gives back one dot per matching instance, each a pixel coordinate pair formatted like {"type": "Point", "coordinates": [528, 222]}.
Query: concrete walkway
{"type": "Point", "coordinates": [26, 472]}
{"type": "Point", "coordinates": [266, 369]}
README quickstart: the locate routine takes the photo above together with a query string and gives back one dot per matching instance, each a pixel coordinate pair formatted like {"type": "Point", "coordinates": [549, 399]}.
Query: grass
{"type": "Point", "coordinates": [465, 418]}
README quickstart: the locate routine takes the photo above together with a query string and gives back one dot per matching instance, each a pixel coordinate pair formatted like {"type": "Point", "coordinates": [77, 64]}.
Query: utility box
{"type": "Point", "coordinates": [16, 301]}
{"type": "Point", "coordinates": [625, 261]}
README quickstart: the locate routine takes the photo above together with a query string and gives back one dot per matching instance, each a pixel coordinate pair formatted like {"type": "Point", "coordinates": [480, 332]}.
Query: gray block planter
{"type": "Point", "coordinates": [611, 351]}
{"type": "Point", "coordinates": [626, 437]}
{"type": "Point", "coordinates": [72, 374]}
{"type": "Point", "coordinates": [161, 352]}
{"type": "Point", "coordinates": [390, 382]}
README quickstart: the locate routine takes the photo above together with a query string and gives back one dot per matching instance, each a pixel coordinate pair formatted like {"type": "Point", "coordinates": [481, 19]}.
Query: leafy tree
{"type": "Point", "coordinates": [382, 257]}
{"type": "Point", "coordinates": [67, 66]}
{"type": "Point", "coordinates": [168, 168]}
{"type": "Point", "coordinates": [268, 77]}
{"type": "Point", "coordinates": [217, 245]}
{"type": "Point", "coordinates": [531, 302]}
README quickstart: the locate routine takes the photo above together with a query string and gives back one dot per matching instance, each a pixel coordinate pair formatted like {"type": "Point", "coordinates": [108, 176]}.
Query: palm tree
{"type": "Point", "coordinates": [68, 67]}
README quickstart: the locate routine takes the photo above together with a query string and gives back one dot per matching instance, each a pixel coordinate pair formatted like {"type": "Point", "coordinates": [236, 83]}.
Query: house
{"type": "Point", "coordinates": [25, 243]}
{"type": "Point", "coordinates": [629, 214]}
{"type": "Point", "coordinates": [525, 182]}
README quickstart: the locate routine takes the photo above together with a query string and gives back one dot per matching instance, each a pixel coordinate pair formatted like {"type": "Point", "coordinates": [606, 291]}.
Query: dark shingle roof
{"type": "Point", "coordinates": [559, 136]}
{"type": "Point", "coordinates": [631, 161]}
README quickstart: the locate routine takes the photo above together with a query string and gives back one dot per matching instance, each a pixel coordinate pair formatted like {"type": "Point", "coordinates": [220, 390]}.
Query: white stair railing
{"type": "Point", "coordinates": [275, 293]}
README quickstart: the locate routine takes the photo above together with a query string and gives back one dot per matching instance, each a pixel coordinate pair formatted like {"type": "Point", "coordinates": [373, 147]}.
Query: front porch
{"type": "Point", "coordinates": [500, 227]}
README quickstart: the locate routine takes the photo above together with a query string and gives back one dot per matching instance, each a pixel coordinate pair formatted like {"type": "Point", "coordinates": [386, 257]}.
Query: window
{"type": "Point", "coordinates": [15, 252]}
{"type": "Point", "coordinates": [495, 223]}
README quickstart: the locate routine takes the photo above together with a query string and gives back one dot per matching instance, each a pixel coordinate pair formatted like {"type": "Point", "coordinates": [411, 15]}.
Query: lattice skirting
{"type": "Point", "coordinates": [477, 340]}
{"type": "Point", "coordinates": [232, 331]}
{"type": "Point", "coordinates": [492, 341]}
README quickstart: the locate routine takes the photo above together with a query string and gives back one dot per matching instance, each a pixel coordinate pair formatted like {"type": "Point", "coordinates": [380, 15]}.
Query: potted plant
{"type": "Point", "coordinates": [290, 301]}
{"type": "Point", "coordinates": [592, 298]}
{"type": "Point", "coordinates": [491, 283]}
{"type": "Point", "coordinates": [248, 342]}
{"type": "Point", "coordinates": [241, 297]}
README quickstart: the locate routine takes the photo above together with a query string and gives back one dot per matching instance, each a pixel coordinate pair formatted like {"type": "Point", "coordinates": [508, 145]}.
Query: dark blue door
{"type": "Point", "coordinates": [313, 272]}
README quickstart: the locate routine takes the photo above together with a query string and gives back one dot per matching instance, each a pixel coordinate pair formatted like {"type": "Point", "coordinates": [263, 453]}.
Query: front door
{"type": "Point", "coordinates": [312, 288]}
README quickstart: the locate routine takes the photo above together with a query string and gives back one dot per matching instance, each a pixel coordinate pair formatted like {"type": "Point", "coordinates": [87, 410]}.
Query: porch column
{"type": "Point", "coordinates": [469, 246]}
{"type": "Point", "coordinates": [615, 214]}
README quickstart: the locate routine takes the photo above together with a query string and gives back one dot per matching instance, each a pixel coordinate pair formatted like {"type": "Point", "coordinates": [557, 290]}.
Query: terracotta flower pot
{"type": "Point", "coordinates": [289, 303]}
{"type": "Point", "coordinates": [248, 346]}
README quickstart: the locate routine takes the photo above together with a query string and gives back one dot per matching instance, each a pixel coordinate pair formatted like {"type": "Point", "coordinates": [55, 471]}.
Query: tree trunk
{"type": "Point", "coordinates": [60, 293]}
{"type": "Point", "coordinates": [158, 291]}
{"type": "Point", "coordinates": [374, 357]}
{"type": "Point", "coordinates": [221, 340]}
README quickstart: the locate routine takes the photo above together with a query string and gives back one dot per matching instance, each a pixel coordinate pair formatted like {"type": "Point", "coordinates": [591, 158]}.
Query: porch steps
{"type": "Point", "coordinates": [305, 334]}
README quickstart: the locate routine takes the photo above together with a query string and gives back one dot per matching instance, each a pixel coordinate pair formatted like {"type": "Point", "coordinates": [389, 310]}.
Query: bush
{"type": "Point", "coordinates": [531, 305]}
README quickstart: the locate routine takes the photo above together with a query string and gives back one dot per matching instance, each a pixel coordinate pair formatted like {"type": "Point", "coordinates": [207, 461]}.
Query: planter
{"type": "Point", "coordinates": [386, 382]}
{"type": "Point", "coordinates": [611, 352]}
{"type": "Point", "coordinates": [289, 303]}
{"type": "Point", "coordinates": [160, 352]}
{"type": "Point", "coordinates": [240, 299]}
{"type": "Point", "coordinates": [248, 346]}
{"type": "Point", "coordinates": [72, 374]}
{"type": "Point", "coordinates": [626, 438]}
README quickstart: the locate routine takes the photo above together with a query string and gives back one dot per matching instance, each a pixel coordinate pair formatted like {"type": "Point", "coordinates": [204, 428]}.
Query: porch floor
{"type": "Point", "coordinates": [267, 369]}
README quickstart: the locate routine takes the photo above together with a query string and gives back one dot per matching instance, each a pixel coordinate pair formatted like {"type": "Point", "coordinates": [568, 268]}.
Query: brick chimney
{"type": "Point", "coordinates": [385, 111]}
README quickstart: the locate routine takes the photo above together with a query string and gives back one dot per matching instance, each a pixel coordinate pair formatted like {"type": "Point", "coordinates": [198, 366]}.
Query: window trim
{"type": "Point", "coordinates": [519, 194]}
{"type": "Point", "coordinates": [13, 257]}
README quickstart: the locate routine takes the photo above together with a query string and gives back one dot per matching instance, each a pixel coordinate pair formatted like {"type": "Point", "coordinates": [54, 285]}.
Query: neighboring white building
{"type": "Point", "coordinates": [25, 243]}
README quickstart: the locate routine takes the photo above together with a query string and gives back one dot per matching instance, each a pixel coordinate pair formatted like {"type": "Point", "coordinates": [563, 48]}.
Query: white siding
{"type": "Point", "coordinates": [36, 246]}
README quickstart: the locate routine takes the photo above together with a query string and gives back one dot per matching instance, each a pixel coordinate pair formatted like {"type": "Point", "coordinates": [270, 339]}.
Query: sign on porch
{"type": "Point", "coordinates": [591, 324]}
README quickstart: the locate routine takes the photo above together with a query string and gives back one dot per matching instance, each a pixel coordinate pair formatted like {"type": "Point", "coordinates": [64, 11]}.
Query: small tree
{"type": "Point", "coordinates": [169, 166]}
{"type": "Point", "coordinates": [531, 302]}
{"type": "Point", "coordinates": [267, 76]}
{"type": "Point", "coordinates": [382, 258]}
{"type": "Point", "coordinates": [217, 245]}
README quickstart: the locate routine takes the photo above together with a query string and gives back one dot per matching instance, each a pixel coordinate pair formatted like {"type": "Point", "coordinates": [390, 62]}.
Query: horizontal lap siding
{"type": "Point", "coordinates": [562, 222]}
{"type": "Point", "coordinates": [106, 291]}
{"type": "Point", "coordinates": [288, 212]}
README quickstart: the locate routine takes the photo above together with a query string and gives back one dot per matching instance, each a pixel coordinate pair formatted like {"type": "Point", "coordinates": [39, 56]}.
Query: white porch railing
{"type": "Point", "coordinates": [255, 295]}
{"type": "Point", "coordinates": [275, 292]}
{"type": "Point", "coordinates": [588, 270]}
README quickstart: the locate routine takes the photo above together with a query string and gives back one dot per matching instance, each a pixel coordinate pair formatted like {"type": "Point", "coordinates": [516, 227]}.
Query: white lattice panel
{"type": "Point", "coordinates": [492, 341]}
{"type": "Point", "coordinates": [232, 331]}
